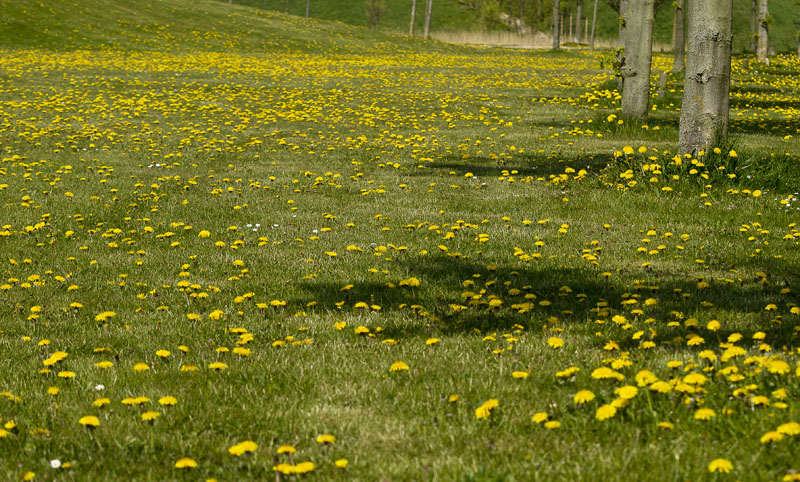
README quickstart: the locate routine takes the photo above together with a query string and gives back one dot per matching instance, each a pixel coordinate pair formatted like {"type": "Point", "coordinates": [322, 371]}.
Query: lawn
{"type": "Point", "coordinates": [389, 258]}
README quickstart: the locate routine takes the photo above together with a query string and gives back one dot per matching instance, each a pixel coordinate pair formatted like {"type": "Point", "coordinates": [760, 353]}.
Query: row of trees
{"type": "Point", "coordinates": [704, 112]}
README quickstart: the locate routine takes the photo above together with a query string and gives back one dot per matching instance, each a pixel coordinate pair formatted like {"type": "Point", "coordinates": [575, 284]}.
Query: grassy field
{"type": "Point", "coordinates": [280, 249]}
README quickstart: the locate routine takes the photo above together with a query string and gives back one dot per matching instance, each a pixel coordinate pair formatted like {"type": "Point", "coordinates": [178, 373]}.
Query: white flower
{"type": "Point", "coordinates": [100, 387]}
{"type": "Point", "coordinates": [55, 463]}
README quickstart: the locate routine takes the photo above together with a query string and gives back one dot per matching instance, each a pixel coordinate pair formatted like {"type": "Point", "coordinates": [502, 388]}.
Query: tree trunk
{"type": "Point", "coordinates": [753, 24]}
{"type": "Point", "coordinates": [623, 9]}
{"type": "Point", "coordinates": [556, 26]}
{"type": "Point", "coordinates": [594, 26]}
{"type": "Point", "coordinates": [413, 17]}
{"type": "Point", "coordinates": [704, 113]}
{"type": "Point", "coordinates": [797, 37]}
{"type": "Point", "coordinates": [428, 9]}
{"type": "Point", "coordinates": [678, 48]}
{"type": "Point", "coordinates": [578, 14]}
{"type": "Point", "coordinates": [569, 22]}
{"type": "Point", "coordinates": [585, 29]}
{"type": "Point", "coordinates": [763, 30]}
{"type": "Point", "coordinates": [308, 8]}
{"type": "Point", "coordinates": [638, 54]}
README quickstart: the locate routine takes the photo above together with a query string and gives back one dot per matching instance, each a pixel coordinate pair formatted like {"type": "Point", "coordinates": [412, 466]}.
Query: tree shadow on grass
{"type": "Point", "coordinates": [456, 296]}
{"type": "Point", "coordinates": [535, 165]}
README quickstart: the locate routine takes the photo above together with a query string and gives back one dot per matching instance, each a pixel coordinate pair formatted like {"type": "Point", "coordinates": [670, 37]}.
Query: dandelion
{"type": "Point", "coordinates": [325, 439]}
{"type": "Point", "coordinates": [605, 412]}
{"type": "Point", "coordinates": [539, 417]}
{"type": "Point", "coordinates": [246, 447]}
{"type": "Point", "coordinates": [150, 416]}
{"type": "Point", "coordinates": [89, 421]}
{"type": "Point", "coordinates": [583, 396]}
{"type": "Point", "coordinates": [627, 392]}
{"type": "Point", "coordinates": [398, 366]}
{"type": "Point", "coordinates": [704, 414]}
{"type": "Point", "coordinates": [720, 465]}
{"type": "Point", "coordinates": [789, 428]}
{"type": "Point", "coordinates": [185, 463]}
{"type": "Point", "coordinates": [485, 409]}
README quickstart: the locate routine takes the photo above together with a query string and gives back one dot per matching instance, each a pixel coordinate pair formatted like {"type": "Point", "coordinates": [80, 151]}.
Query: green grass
{"type": "Point", "coordinates": [164, 173]}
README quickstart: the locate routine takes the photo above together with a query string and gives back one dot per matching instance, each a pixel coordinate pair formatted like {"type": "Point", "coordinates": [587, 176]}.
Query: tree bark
{"type": "Point", "coordinates": [679, 48]}
{"type": "Point", "coordinates": [569, 22]}
{"type": "Point", "coordinates": [638, 54]}
{"type": "Point", "coordinates": [797, 38]}
{"type": "Point", "coordinates": [578, 14]}
{"type": "Point", "coordinates": [594, 26]}
{"type": "Point", "coordinates": [753, 25]}
{"type": "Point", "coordinates": [413, 17]}
{"type": "Point", "coordinates": [308, 8]}
{"type": "Point", "coordinates": [763, 30]}
{"type": "Point", "coordinates": [704, 113]}
{"type": "Point", "coordinates": [585, 29]}
{"type": "Point", "coordinates": [428, 9]}
{"type": "Point", "coordinates": [623, 8]}
{"type": "Point", "coordinates": [556, 26]}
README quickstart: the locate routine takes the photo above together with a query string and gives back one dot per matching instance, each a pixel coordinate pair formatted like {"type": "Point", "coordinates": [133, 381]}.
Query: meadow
{"type": "Point", "coordinates": [287, 249]}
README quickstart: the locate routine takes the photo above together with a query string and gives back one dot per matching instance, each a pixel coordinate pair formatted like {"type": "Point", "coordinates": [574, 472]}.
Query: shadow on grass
{"type": "Point", "coordinates": [455, 297]}
{"type": "Point", "coordinates": [536, 165]}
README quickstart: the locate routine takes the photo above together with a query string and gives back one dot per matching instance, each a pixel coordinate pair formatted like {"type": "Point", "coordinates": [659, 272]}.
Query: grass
{"type": "Point", "coordinates": [256, 194]}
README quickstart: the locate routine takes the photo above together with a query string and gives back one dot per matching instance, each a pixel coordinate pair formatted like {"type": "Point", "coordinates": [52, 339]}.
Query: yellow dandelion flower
{"type": "Point", "coordinates": [704, 414]}
{"type": "Point", "coordinates": [720, 465]}
{"type": "Point", "coordinates": [89, 421]}
{"type": "Point", "coordinates": [185, 463]}
{"type": "Point", "coordinates": [583, 396]}
{"type": "Point", "coordinates": [485, 409]}
{"type": "Point", "coordinates": [398, 366]}
{"type": "Point", "coordinates": [605, 412]}
{"type": "Point", "coordinates": [246, 447]}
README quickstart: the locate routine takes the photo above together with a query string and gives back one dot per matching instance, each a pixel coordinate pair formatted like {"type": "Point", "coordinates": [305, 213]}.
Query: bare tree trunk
{"type": "Point", "coordinates": [763, 30]}
{"type": "Point", "coordinates": [413, 17]}
{"type": "Point", "coordinates": [706, 91]}
{"type": "Point", "coordinates": [569, 22]}
{"type": "Point", "coordinates": [287, 6]}
{"type": "Point", "coordinates": [679, 46]}
{"type": "Point", "coordinates": [308, 8]}
{"type": "Point", "coordinates": [753, 25]}
{"type": "Point", "coordinates": [428, 9]}
{"type": "Point", "coordinates": [556, 26]}
{"type": "Point", "coordinates": [578, 14]}
{"type": "Point", "coordinates": [594, 26]}
{"type": "Point", "coordinates": [638, 54]}
{"type": "Point", "coordinates": [585, 29]}
{"type": "Point", "coordinates": [797, 38]}
{"type": "Point", "coordinates": [623, 10]}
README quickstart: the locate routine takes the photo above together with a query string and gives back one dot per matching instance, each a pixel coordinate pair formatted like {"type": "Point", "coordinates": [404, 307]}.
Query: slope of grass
{"type": "Point", "coordinates": [452, 15]}
{"type": "Point", "coordinates": [185, 25]}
